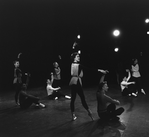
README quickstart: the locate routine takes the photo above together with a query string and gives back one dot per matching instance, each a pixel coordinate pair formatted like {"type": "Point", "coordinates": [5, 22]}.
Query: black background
{"type": "Point", "coordinates": [44, 29]}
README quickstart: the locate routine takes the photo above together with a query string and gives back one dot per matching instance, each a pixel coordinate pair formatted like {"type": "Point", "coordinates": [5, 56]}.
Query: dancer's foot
{"type": "Point", "coordinates": [56, 98]}
{"type": "Point", "coordinates": [134, 94]}
{"type": "Point", "coordinates": [115, 119]}
{"type": "Point", "coordinates": [142, 91]}
{"type": "Point", "coordinates": [90, 114]}
{"type": "Point", "coordinates": [137, 92]}
{"type": "Point", "coordinates": [17, 103]}
{"type": "Point", "coordinates": [74, 117]}
{"type": "Point", "coordinates": [40, 105]}
{"type": "Point", "coordinates": [68, 97]}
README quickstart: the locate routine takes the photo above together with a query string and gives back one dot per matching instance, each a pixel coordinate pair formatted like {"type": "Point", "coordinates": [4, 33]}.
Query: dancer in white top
{"type": "Point", "coordinates": [125, 85]}
{"type": "Point", "coordinates": [53, 93]}
{"type": "Point", "coordinates": [136, 76]}
{"type": "Point", "coordinates": [56, 75]}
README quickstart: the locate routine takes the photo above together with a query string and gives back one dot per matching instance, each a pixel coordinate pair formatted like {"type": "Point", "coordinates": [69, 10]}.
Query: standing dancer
{"type": "Point", "coordinates": [76, 85]}
{"type": "Point", "coordinates": [17, 80]}
{"type": "Point", "coordinates": [125, 85]}
{"type": "Point", "coordinates": [106, 106]}
{"type": "Point", "coordinates": [56, 75]}
{"type": "Point", "coordinates": [136, 76]}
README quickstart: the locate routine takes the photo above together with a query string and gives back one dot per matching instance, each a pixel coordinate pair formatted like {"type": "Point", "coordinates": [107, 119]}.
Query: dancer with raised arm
{"type": "Point", "coordinates": [56, 75]}
{"type": "Point", "coordinates": [126, 91]}
{"type": "Point", "coordinates": [106, 106]}
{"type": "Point", "coordinates": [17, 82]}
{"type": "Point", "coordinates": [136, 76]}
{"type": "Point", "coordinates": [52, 92]}
{"type": "Point", "coordinates": [25, 99]}
{"type": "Point", "coordinates": [76, 85]}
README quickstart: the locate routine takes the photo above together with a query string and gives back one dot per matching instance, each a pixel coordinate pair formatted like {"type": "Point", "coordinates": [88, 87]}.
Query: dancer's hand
{"type": "Point", "coordinates": [117, 102]}
{"type": "Point", "coordinates": [107, 71]}
{"type": "Point", "coordinates": [103, 71]}
{"type": "Point", "coordinates": [127, 70]}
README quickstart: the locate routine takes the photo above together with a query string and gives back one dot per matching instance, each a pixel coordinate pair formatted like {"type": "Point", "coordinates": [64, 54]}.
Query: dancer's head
{"type": "Point", "coordinates": [76, 57]}
{"type": "Point", "coordinates": [48, 81]}
{"type": "Point", "coordinates": [103, 86]}
{"type": "Point", "coordinates": [135, 61]}
{"type": "Point", "coordinates": [124, 79]}
{"type": "Point", "coordinates": [55, 64]}
{"type": "Point", "coordinates": [16, 63]}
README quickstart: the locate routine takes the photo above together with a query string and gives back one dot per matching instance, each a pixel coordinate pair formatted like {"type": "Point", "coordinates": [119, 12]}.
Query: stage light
{"type": "Point", "coordinates": [146, 20]}
{"type": "Point", "coordinates": [116, 49]}
{"type": "Point", "coordinates": [78, 37]}
{"type": "Point", "coordinates": [148, 32]}
{"type": "Point", "coordinates": [116, 33]}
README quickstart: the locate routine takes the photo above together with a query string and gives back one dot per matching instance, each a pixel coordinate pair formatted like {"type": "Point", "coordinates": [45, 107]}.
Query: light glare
{"type": "Point", "coordinates": [116, 33]}
{"type": "Point", "coordinates": [78, 36]}
{"type": "Point", "coordinates": [116, 49]}
{"type": "Point", "coordinates": [147, 21]}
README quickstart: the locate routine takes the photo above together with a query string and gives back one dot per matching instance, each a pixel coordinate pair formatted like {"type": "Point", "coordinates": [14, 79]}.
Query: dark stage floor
{"type": "Point", "coordinates": [55, 119]}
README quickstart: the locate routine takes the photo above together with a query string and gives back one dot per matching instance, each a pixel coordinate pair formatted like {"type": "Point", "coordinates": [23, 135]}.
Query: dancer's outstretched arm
{"type": "Point", "coordinates": [129, 75]}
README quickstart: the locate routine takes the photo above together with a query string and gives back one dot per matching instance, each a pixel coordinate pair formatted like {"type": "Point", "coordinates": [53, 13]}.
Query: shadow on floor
{"type": "Point", "coordinates": [88, 129]}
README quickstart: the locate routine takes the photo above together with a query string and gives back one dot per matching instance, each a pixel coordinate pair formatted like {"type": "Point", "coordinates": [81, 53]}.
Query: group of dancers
{"type": "Point", "coordinates": [106, 106]}
{"type": "Point", "coordinates": [133, 78]}
{"type": "Point", "coordinates": [22, 98]}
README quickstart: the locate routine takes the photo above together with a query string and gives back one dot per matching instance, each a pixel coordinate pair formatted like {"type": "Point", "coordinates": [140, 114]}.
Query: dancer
{"type": "Point", "coordinates": [106, 106]}
{"type": "Point", "coordinates": [76, 85]}
{"type": "Point", "coordinates": [17, 80]}
{"type": "Point", "coordinates": [56, 75]}
{"type": "Point", "coordinates": [136, 76]}
{"type": "Point", "coordinates": [125, 85]}
{"type": "Point", "coordinates": [26, 100]}
{"type": "Point", "coordinates": [53, 93]}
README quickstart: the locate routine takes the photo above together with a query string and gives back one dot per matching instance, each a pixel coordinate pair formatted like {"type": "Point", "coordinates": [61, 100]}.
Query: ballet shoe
{"type": "Point", "coordinates": [74, 117]}
{"type": "Point", "coordinates": [142, 91]}
{"type": "Point", "coordinates": [90, 114]}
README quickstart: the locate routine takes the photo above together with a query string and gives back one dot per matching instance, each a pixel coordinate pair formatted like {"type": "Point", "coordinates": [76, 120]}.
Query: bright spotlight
{"type": "Point", "coordinates": [148, 32]}
{"type": "Point", "coordinates": [147, 21]}
{"type": "Point", "coordinates": [116, 33]}
{"type": "Point", "coordinates": [116, 49]}
{"type": "Point", "coordinates": [78, 36]}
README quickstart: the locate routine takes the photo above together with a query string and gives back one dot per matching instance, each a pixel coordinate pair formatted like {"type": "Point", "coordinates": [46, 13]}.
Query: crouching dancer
{"type": "Point", "coordinates": [126, 91]}
{"type": "Point", "coordinates": [26, 100]}
{"type": "Point", "coordinates": [52, 92]}
{"type": "Point", "coordinates": [106, 106]}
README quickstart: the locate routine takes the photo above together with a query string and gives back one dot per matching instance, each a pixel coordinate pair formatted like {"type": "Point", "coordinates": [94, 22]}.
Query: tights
{"type": "Point", "coordinates": [27, 100]}
{"type": "Point", "coordinates": [111, 112]}
{"type": "Point", "coordinates": [77, 89]}
{"type": "Point", "coordinates": [17, 90]}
